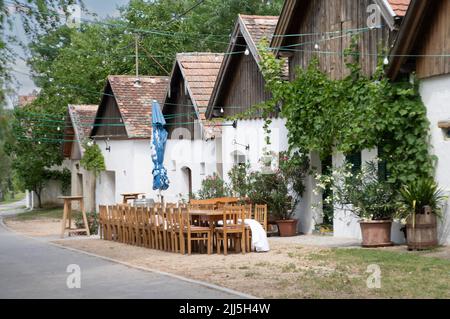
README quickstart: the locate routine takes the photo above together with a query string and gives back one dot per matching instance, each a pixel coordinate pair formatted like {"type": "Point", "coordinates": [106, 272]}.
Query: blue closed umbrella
{"type": "Point", "coordinates": [159, 136]}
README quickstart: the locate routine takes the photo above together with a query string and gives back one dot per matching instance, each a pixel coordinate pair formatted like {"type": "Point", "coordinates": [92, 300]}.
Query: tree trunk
{"type": "Point", "coordinates": [38, 195]}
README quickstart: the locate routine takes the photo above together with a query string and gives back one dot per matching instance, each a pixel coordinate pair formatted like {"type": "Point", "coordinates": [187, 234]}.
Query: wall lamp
{"type": "Point", "coordinates": [108, 147]}
{"type": "Point", "coordinates": [247, 147]}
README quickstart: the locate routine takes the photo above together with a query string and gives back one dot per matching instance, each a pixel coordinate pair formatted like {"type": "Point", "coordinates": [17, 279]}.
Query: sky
{"type": "Point", "coordinates": [25, 85]}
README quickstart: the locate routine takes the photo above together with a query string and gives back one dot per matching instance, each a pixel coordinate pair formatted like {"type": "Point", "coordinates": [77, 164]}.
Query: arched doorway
{"type": "Point", "coordinates": [187, 180]}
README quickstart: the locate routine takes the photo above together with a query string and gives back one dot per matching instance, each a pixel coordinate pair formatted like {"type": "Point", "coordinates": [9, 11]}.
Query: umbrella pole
{"type": "Point", "coordinates": [162, 198]}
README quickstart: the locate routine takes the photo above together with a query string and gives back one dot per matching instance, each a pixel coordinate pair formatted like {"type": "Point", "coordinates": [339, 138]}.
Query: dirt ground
{"type": "Point", "coordinates": [36, 228]}
{"type": "Point", "coordinates": [249, 273]}
{"type": "Point", "coordinates": [298, 267]}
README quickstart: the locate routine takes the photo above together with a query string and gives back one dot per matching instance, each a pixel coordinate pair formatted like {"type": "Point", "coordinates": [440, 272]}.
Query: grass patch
{"type": "Point", "coordinates": [403, 275]}
{"type": "Point", "coordinates": [50, 213]}
{"type": "Point", "coordinates": [9, 199]}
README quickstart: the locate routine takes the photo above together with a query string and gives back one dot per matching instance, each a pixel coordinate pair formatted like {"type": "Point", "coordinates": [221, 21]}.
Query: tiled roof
{"type": "Point", "coordinates": [399, 6]}
{"type": "Point", "coordinates": [135, 102]}
{"type": "Point", "coordinates": [200, 71]}
{"type": "Point", "coordinates": [260, 27]}
{"type": "Point", "coordinates": [83, 118]}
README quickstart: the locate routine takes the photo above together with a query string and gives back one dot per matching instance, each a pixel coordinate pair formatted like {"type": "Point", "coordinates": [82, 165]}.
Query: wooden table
{"type": "Point", "coordinates": [67, 215]}
{"type": "Point", "coordinates": [128, 196]}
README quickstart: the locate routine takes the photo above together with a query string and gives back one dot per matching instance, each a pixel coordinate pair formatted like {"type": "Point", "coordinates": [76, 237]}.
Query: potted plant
{"type": "Point", "coordinates": [281, 189]}
{"type": "Point", "coordinates": [420, 206]}
{"type": "Point", "coordinates": [365, 196]}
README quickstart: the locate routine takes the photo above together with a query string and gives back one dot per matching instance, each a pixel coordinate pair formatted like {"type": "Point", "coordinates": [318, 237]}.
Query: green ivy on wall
{"type": "Point", "coordinates": [352, 114]}
{"type": "Point", "coordinates": [93, 159]}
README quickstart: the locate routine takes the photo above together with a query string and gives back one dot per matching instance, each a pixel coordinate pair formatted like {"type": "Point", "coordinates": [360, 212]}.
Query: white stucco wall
{"type": "Point", "coordinates": [82, 184]}
{"type": "Point", "coordinates": [129, 168]}
{"type": "Point", "coordinates": [435, 94]}
{"type": "Point", "coordinates": [251, 132]}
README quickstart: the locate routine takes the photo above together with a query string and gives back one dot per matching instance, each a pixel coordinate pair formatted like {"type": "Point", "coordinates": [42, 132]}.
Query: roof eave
{"type": "Point", "coordinates": [407, 35]}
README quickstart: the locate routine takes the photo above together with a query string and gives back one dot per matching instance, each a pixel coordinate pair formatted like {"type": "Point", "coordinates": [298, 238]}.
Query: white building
{"type": "Point", "coordinates": [80, 120]}
{"type": "Point", "coordinates": [123, 130]}
{"type": "Point", "coordinates": [191, 152]}
{"type": "Point", "coordinates": [422, 47]}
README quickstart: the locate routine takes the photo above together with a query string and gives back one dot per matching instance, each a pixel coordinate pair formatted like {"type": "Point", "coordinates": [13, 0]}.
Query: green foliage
{"type": "Point", "coordinates": [418, 194]}
{"type": "Point", "coordinates": [362, 193]}
{"type": "Point", "coordinates": [352, 114]}
{"type": "Point", "coordinates": [213, 187]}
{"type": "Point", "coordinates": [281, 189]}
{"type": "Point", "coordinates": [239, 180]}
{"type": "Point", "coordinates": [92, 220]}
{"type": "Point", "coordinates": [93, 159]}
{"type": "Point", "coordinates": [64, 177]}
{"type": "Point", "coordinates": [32, 161]}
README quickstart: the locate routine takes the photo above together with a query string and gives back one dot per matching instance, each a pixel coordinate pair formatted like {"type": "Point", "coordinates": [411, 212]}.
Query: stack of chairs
{"type": "Point", "coordinates": [172, 228]}
{"type": "Point", "coordinates": [168, 228]}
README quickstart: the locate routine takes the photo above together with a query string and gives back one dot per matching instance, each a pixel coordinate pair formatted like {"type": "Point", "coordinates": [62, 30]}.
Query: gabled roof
{"type": "Point", "coordinates": [399, 6]}
{"type": "Point", "coordinates": [409, 34]}
{"type": "Point", "coordinates": [253, 29]}
{"type": "Point", "coordinates": [134, 103]}
{"type": "Point", "coordinates": [199, 71]}
{"type": "Point", "coordinates": [82, 118]}
{"type": "Point", "coordinates": [391, 10]}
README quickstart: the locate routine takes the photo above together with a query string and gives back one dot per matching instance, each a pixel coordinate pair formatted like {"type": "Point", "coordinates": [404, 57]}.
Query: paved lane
{"type": "Point", "coordinates": [34, 269]}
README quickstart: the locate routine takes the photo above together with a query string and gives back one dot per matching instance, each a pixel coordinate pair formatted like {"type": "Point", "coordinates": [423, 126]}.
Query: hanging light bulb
{"type": "Point", "coordinates": [137, 83]}
{"type": "Point", "coordinates": [316, 46]}
{"type": "Point", "coordinates": [247, 52]}
{"type": "Point", "coordinates": [221, 110]}
{"type": "Point", "coordinates": [59, 129]}
{"type": "Point", "coordinates": [386, 61]}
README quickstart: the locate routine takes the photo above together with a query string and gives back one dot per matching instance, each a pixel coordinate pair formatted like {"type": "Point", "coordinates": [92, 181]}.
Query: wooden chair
{"type": "Point", "coordinates": [144, 224]}
{"type": "Point", "coordinates": [248, 231]}
{"type": "Point", "coordinates": [173, 229]}
{"type": "Point", "coordinates": [178, 230]}
{"type": "Point", "coordinates": [193, 233]}
{"type": "Point", "coordinates": [154, 229]}
{"type": "Point", "coordinates": [103, 221]}
{"type": "Point", "coordinates": [261, 215]}
{"type": "Point", "coordinates": [110, 233]}
{"type": "Point", "coordinates": [140, 227]}
{"type": "Point", "coordinates": [233, 228]}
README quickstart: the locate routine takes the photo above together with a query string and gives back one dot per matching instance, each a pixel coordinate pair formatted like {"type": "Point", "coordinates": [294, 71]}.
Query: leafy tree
{"type": "Point", "coordinates": [33, 159]}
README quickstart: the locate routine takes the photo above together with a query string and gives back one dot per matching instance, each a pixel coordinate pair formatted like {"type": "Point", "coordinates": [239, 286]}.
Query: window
{"type": "Point", "coordinates": [202, 169]}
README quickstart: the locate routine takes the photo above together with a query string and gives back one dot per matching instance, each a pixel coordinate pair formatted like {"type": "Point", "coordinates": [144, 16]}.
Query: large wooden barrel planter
{"type": "Point", "coordinates": [422, 234]}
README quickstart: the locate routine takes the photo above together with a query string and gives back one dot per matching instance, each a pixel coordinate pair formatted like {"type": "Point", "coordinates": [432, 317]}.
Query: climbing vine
{"type": "Point", "coordinates": [355, 113]}
{"type": "Point", "coordinates": [93, 159]}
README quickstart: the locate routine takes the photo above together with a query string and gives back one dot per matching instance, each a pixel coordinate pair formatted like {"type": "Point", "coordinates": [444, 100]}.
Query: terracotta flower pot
{"type": "Point", "coordinates": [287, 228]}
{"type": "Point", "coordinates": [376, 233]}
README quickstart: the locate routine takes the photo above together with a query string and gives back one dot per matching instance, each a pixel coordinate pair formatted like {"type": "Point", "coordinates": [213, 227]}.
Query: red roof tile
{"type": "Point", "coordinates": [260, 27]}
{"type": "Point", "coordinates": [135, 103]}
{"type": "Point", "coordinates": [200, 71]}
{"type": "Point", "coordinates": [399, 6]}
{"type": "Point", "coordinates": [83, 118]}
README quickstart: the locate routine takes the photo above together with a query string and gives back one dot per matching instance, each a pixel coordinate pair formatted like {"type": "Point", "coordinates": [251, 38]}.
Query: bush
{"type": "Point", "coordinates": [92, 221]}
{"type": "Point", "coordinates": [213, 187]}
{"type": "Point", "coordinates": [280, 190]}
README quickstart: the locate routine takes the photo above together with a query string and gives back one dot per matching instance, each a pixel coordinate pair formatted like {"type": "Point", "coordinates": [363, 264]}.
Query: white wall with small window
{"type": "Point", "coordinates": [435, 94]}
